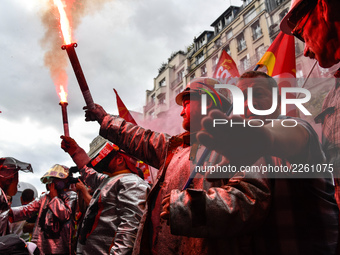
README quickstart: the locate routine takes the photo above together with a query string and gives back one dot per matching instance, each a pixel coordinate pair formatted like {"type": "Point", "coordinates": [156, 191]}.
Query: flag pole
{"type": "Point", "coordinates": [310, 72]}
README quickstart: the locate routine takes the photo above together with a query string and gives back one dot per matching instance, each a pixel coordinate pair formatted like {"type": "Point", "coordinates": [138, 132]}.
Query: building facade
{"type": "Point", "coordinates": [242, 31]}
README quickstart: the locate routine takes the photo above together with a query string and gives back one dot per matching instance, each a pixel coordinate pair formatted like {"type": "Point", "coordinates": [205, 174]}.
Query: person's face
{"type": "Point", "coordinates": [115, 163]}
{"type": "Point", "coordinates": [262, 98]}
{"type": "Point", "coordinates": [10, 185]}
{"type": "Point", "coordinates": [320, 36]}
{"type": "Point", "coordinates": [191, 113]}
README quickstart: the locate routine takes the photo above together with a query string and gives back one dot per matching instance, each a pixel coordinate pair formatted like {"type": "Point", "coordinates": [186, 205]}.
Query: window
{"type": "Point", "coordinates": [199, 58]}
{"type": "Point", "coordinates": [228, 19]}
{"type": "Point", "coordinates": [298, 49]}
{"type": "Point", "coordinates": [249, 16]}
{"type": "Point", "coordinates": [245, 63]}
{"type": "Point", "coordinates": [299, 75]}
{"type": "Point", "coordinates": [227, 49]}
{"type": "Point", "coordinates": [241, 43]}
{"type": "Point", "coordinates": [162, 83]}
{"type": "Point", "coordinates": [214, 60]}
{"type": "Point", "coordinates": [219, 26]}
{"type": "Point", "coordinates": [283, 13]}
{"type": "Point", "coordinates": [177, 91]}
{"type": "Point", "coordinates": [192, 76]}
{"type": "Point", "coordinates": [257, 31]}
{"type": "Point", "coordinates": [204, 70]}
{"type": "Point", "coordinates": [152, 98]}
{"type": "Point", "coordinates": [229, 34]}
{"type": "Point", "coordinates": [180, 75]}
{"type": "Point", "coordinates": [201, 42]}
{"type": "Point", "coordinates": [218, 43]}
{"type": "Point", "coordinates": [246, 2]}
{"type": "Point", "coordinates": [259, 51]}
{"type": "Point", "coordinates": [161, 100]}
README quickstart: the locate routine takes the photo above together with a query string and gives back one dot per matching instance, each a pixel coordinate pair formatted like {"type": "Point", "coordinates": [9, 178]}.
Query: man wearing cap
{"type": "Point", "coordinates": [9, 168]}
{"type": "Point", "coordinates": [112, 218]}
{"type": "Point", "coordinates": [54, 226]}
{"type": "Point", "coordinates": [206, 218]}
{"type": "Point", "coordinates": [317, 23]}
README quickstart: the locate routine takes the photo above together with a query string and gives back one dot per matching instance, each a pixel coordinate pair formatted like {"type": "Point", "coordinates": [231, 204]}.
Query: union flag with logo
{"type": "Point", "coordinates": [226, 70]}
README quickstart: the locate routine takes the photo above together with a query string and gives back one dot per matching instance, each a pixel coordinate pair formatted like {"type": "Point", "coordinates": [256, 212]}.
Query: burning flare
{"type": "Point", "coordinates": [62, 94]}
{"type": "Point", "coordinates": [64, 22]}
{"type": "Point", "coordinates": [63, 103]}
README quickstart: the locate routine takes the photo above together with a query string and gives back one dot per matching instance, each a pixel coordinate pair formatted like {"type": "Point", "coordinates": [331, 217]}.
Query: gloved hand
{"type": "Point", "coordinates": [96, 114]}
{"type": "Point", "coordinates": [69, 145]}
{"type": "Point", "coordinates": [78, 155]}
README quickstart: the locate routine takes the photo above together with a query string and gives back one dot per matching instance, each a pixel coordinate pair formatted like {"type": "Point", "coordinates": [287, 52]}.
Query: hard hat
{"type": "Point", "coordinates": [57, 171]}
{"type": "Point", "coordinates": [106, 154]}
{"type": "Point", "coordinates": [205, 85]}
{"type": "Point", "coordinates": [10, 166]}
{"type": "Point", "coordinates": [25, 185]}
{"type": "Point", "coordinates": [298, 9]}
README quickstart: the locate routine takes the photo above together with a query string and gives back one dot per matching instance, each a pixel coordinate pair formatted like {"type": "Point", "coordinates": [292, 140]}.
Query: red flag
{"type": "Point", "coordinates": [226, 69]}
{"type": "Point", "coordinates": [126, 115]}
{"type": "Point", "coordinates": [123, 111]}
{"type": "Point", "coordinates": [280, 63]}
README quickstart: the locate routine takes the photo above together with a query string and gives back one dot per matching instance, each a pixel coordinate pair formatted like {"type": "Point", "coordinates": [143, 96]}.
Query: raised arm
{"type": "Point", "coordinates": [144, 144]}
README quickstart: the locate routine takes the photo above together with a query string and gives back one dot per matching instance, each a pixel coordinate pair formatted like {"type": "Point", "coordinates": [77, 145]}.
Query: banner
{"type": "Point", "coordinates": [123, 111]}
{"type": "Point", "coordinates": [280, 63]}
{"type": "Point", "coordinates": [126, 115]}
{"type": "Point", "coordinates": [226, 69]}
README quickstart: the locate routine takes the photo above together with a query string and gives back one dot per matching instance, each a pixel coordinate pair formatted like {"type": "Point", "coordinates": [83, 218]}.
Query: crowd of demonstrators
{"type": "Point", "coordinates": [54, 225]}
{"type": "Point", "coordinates": [112, 218]}
{"type": "Point", "coordinates": [171, 156]}
{"type": "Point", "coordinates": [111, 214]}
{"type": "Point", "coordinates": [239, 213]}
{"type": "Point", "coordinates": [236, 212]}
{"type": "Point", "coordinates": [317, 23]}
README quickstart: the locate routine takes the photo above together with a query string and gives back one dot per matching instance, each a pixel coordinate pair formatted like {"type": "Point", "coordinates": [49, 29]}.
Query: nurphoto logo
{"type": "Point", "coordinates": [239, 99]}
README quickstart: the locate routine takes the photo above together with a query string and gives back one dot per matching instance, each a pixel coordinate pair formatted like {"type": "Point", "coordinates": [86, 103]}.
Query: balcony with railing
{"type": "Point", "coordinates": [176, 82]}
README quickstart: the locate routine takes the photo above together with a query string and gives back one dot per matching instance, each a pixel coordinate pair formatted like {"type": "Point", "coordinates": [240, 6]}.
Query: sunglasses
{"type": "Point", "coordinates": [301, 15]}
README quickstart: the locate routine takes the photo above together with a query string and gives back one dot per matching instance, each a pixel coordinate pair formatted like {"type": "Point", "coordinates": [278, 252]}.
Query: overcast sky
{"type": "Point", "coordinates": [120, 45]}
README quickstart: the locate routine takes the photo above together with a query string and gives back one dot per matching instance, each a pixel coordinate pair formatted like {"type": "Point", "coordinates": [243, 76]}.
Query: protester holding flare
{"type": "Point", "coordinates": [55, 222]}
{"type": "Point", "coordinates": [179, 222]}
{"type": "Point", "coordinates": [111, 221]}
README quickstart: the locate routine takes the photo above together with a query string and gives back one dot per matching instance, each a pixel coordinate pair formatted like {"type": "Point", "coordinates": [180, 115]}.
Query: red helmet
{"type": "Point", "coordinates": [298, 9]}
